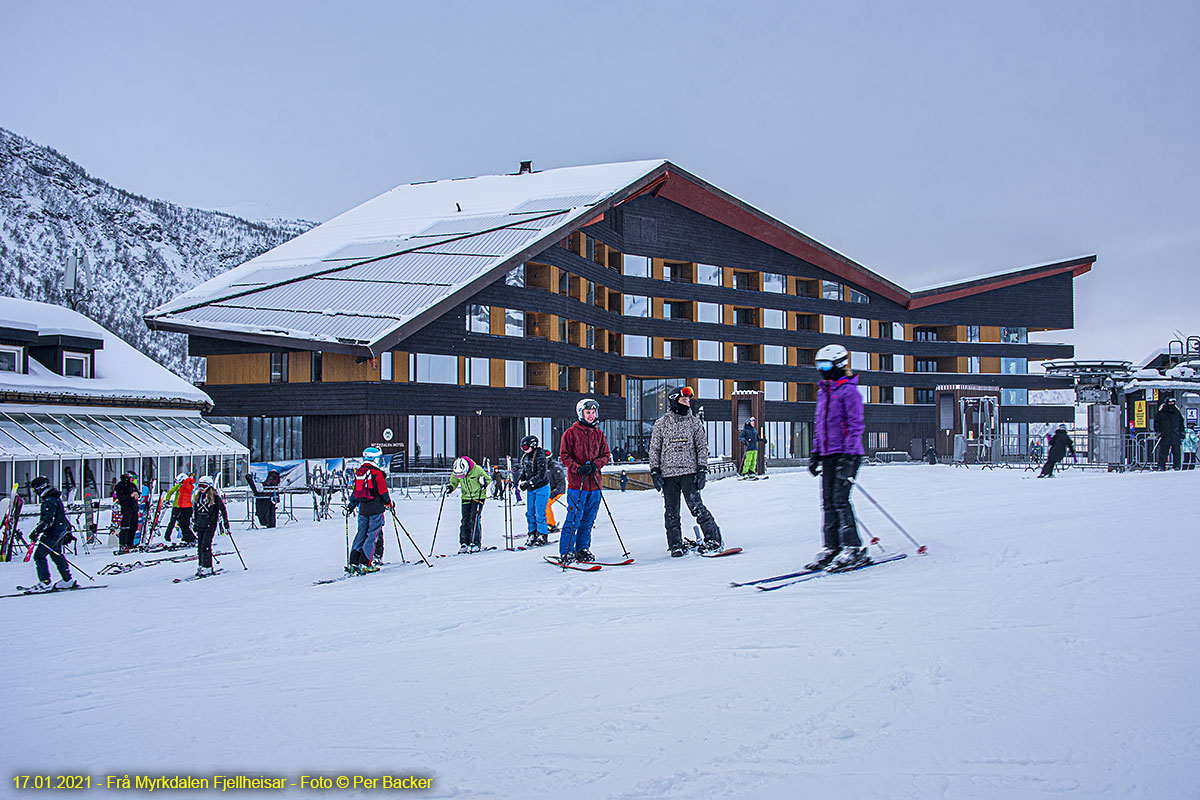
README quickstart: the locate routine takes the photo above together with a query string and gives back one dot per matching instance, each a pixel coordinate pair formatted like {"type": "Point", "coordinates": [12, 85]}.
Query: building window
{"type": "Point", "coordinates": [516, 277]}
{"type": "Point", "coordinates": [1014, 397]}
{"type": "Point", "coordinates": [710, 388]}
{"type": "Point", "coordinates": [972, 333]}
{"type": "Point", "coordinates": [1014, 336]}
{"type": "Point", "coordinates": [774, 282]}
{"type": "Point", "coordinates": [860, 361]}
{"type": "Point", "coordinates": [479, 371]}
{"type": "Point", "coordinates": [1014, 366]}
{"type": "Point", "coordinates": [974, 364]}
{"type": "Point", "coordinates": [636, 346]}
{"type": "Point", "coordinates": [927, 365]}
{"type": "Point", "coordinates": [855, 296]}
{"type": "Point", "coordinates": [316, 366]}
{"type": "Point", "coordinates": [77, 365]}
{"type": "Point", "coordinates": [773, 354]}
{"type": "Point", "coordinates": [424, 368]}
{"type": "Point", "coordinates": [637, 305]}
{"type": "Point", "coordinates": [774, 319]}
{"type": "Point", "coordinates": [877, 440]}
{"type": "Point", "coordinates": [479, 318]}
{"type": "Point", "coordinates": [10, 359]}
{"type": "Point", "coordinates": [709, 275]}
{"type": "Point", "coordinates": [514, 374]}
{"type": "Point", "coordinates": [707, 350]}
{"type": "Point", "coordinates": [831, 290]}
{"type": "Point", "coordinates": [859, 327]}
{"type": "Point", "coordinates": [885, 330]}
{"type": "Point", "coordinates": [279, 367]}
{"type": "Point", "coordinates": [774, 390]}
{"type": "Point", "coordinates": [432, 440]}
{"type": "Point", "coordinates": [831, 324]}
{"type": "Point", "coordinates": [275, 438]}
{"type": "Point", "coordinates": [636, 266]}
{"type": "Point", "coordinates": [925, 334]}
{"type": "Point", "coordinates": [746, 281]}
{"type": "Point", "coordinates": [886, 393]}
{"type": "Point", "coordinates": [708, 312]}
{"type": "Point", "coordinates": [923, 396]}
{"type": "Point", "coordinates": [514, 322]}
{"type": "Point", "coordinates": [385, 366]}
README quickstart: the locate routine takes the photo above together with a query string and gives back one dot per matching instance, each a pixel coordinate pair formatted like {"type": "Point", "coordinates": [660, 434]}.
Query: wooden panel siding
{"type": "Point", "coordinates": [238, 369]}
{"type": "Point", "coordinates": [300, 366]}
{"type": "Point", "coordinates": [340, 367]}
{"type": "Point", "coordinates": [342, 435]}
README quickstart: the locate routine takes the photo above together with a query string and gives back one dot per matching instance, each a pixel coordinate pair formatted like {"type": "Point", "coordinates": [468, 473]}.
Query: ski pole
{"type": "Point", "coordinates": [347, 518]}
{"type": "Point", "coordinates": [614, 524]}
{"type": "Point", "coordinates": [921, 549]}
{"type": "Point", "coordinates": [437, 524]}
{"type": "Point", "coordinates": [64, 558]}
{"type": "Point", "coordinates": [871, 538]}
{"type": "Point", "coordinates": [409, 535]}
{"type": "Point", "coordinates": [398, 544]}
{"type": "Point", "coordinates": [229, 533]}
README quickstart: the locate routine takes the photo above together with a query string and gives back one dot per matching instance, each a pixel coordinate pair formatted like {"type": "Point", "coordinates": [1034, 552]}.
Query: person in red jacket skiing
{"type": "Point", "coordinates": [370, 498]}
{"type": "Point", "coordinates": [584, 452]}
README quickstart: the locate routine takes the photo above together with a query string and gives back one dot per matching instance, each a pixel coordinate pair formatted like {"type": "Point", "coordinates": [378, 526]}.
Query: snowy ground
{"type": "Point", "coordinates": [1047, 645]}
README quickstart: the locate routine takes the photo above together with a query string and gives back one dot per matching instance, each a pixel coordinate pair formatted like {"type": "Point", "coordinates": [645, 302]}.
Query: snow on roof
{"type": "Point", "coordinates": [1000, 274]}
{"type": "Point", "coordinates": [473, 224]}
{"type": "Point", "coordinates": [120, 371]}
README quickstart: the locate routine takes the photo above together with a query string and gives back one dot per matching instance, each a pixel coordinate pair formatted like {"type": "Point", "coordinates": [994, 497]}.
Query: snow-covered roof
{"type": "Point", "coordinates": [120, 372]}
{"type": "Point", "coordinates": [358, 278]}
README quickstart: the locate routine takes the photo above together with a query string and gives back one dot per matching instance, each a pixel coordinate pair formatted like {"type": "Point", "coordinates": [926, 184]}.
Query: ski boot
{"type": "Point", "coordinates": [584, 556]}
{"type": "Point", "coordinates": [475, 548]}
{"type": "Point", "coordinates": [38, 588]}
{"type": "Point", "coordinates": [465, 548]}
{"type": "Point", "coordinates": [849, 558]}
{"type": "Point", "coordinates": [531, 539]}
{"type": "Point", "coordinates": [66, 583]}
{"type": "Point", "coordinates": [823, 559]}
{"type": "Point", "coordinates": [677, 551]}
{"type": "Point", "coordinates": [554, 529]}
{"type": "Point", "coordinates": [203, 572]}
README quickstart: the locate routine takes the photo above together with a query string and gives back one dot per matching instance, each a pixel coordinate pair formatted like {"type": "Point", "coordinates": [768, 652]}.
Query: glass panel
{"type": "Point", "coordinates": [708, 351]}
{"type": "Point", "coordinates": [637, 266]}
{"type": "Point", "coordinates": [637, 306]}
{"type": "Point", "coordinates": [708, 275]}
{"type": "Point", "coordinates": [1014, 366]}
{"type": "Point", "coordinates": [437, 369]}
{"type": "Point", "coordinates": [636, 346]}
{"type": "Point", "coordinates": [859, 327]}
{"type": "Point", "coordinates": [514, 374]}
{"type": "Point", "coordinates": [855, 296]}
{"type": "Point", "coordinates": [773, 354]}
{"type": "Point", "coordinates": [831, 324]}
{"type": "Point", "coordinates": [708, 312]}
{"type": "Point", "coordinates": [32, 443]}
{"type": "Point", "coordinates": [773, 390]}
{"type": "Point", "coordinates": [516, 277]}
{"type": "Point", "coordinates": [774, 319]}
{"type": "Point", "coordinates": [710, 388]}
{"type": "Point", "coordinates": [514, 322]}
{"type": "Point", "coordinates": [831, 290]}
{"type": "Point", "coordinates": [1014, 397]}
{"type": "Point", "coordinates": [479, 370]}
{"type": "Point", "coordinates": [774, 282]}
{"type": "Point", "coordinates": [479, 318]}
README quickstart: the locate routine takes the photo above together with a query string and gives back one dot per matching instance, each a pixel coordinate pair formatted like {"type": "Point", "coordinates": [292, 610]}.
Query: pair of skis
{"type": "Point", "coordinates": [28, 590]}
{"type": "Point", "coordinates": [585, 566]}
{"type": "Point", "coordinates": [804, 575]}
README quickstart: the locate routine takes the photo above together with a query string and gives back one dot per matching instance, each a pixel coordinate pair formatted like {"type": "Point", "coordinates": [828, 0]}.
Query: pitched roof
{"type": "Point", "coordinates": [372, 276]}
{"type": "Point", "coordinates": [120, 372]}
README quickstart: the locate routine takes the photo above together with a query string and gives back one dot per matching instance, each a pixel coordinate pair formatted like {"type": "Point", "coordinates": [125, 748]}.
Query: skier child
{"type": "Point", "coordinates": [836, 455]}
{"type": "Point", "coordinates": [208, 511]}
{"type": "Point", "coordinates": [535, 480]}
{"type": "Point", "coordinates": [50, 535]}
{"type": "Point", "coordinates": [558, 487]}
{"type": "Point", "coordinates": [679, 465]}
{"type": "Point", "coordinates": [473, 480]}
{"type": "Point", "coordinates": [370, 498]}
{"type": "Point", "coordinates": [584, 452]}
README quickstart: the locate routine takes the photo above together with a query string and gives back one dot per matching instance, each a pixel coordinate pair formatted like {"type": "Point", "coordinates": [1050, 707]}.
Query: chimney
{"type": "Point", "coordinates": [526, 168]}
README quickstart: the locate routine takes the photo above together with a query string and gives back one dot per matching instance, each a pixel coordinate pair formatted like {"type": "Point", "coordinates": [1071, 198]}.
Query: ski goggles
{"type": "Point", "coordinates": [591, 404]}
{"type": "Point", "coordinates": [686, 391]}
{"type": "Point", "coordinates": [824, 366]}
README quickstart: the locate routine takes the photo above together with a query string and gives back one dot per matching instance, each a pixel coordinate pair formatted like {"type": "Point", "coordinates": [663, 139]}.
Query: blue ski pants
{"type": "Point", "coordinates": [535, 509]}
{"type": "Point", "coordinates": [582, 505]}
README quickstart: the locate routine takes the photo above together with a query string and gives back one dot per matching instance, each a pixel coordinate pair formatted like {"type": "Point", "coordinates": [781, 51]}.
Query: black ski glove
{"type": "Point", "coordinates": [656, 476]}
{"type": "Point", "coordinates": [701, 477]}
{"type": "Point", "coordinates": [814, 464]}
{"type": "Point", "coordinates": [586, 468]}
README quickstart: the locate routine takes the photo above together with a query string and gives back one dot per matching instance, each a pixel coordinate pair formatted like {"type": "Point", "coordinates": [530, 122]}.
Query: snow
{"type": "Point", "coordinates": [1045, 646]}
{"type": "Point", "coordinates": [119, 370]}
{"type": "Point", "coordinates": [998, 274]}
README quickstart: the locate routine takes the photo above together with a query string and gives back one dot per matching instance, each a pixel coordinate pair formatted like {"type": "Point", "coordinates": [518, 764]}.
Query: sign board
{"type": "Point", "coordinates": [1139, 413]}
{"type": "Point", "coordinates": [1193, 415]}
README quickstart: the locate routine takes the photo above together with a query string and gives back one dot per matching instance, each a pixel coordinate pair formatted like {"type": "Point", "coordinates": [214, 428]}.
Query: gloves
{"type": "Point", "coordinates": [814, 464]}
{"type": "Point", "coordinates": [347, 510]}
{"type": "Point", "coordinates": [447, 489]}
{"type": "Point", "coordinates": [701, 477]}
{"type": "Point", "coordinates": [656, 476]}
{"type": "Point", "coordinates": [586, 468]}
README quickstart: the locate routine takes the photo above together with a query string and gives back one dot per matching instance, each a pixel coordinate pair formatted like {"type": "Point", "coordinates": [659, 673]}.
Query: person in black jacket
{"type": "Point", "coordinates": [1059, 445]}
{"type": "Point", "coordinates": [1169, 424]}
{"type": "Point", "coordinates": [50, 535]}
{"type": "Point", "coordinates": [126, 495]}
{"type": "Point", "coordinates": [534, 478]}
{"type": "Point", "coordinates": [207, 510]}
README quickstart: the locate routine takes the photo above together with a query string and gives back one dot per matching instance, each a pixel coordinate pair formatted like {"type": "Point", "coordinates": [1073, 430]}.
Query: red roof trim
{"type": "Point", "coordinates": [1076, 268]}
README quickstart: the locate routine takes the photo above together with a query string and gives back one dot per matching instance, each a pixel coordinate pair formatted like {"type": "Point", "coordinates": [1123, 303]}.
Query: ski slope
{"type": "Point", "coordinates": [1046, 646]}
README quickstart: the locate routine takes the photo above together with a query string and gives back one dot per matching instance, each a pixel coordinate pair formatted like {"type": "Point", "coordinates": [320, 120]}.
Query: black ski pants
{"type": "Point", "coordinates": [50, 546]}
{"type": "Point", "coordinates": [204, 545]}
{"type": "Point", "coordinates": [685, 485]}
{"type": "Point", "coordinates": [1169, 445]}
{"type": "Point", "coordinates": [181, 516]}
{"type": "Point", "coordinates": [837, 479]}
{"type": "Point", "coordinates": [468, 531]}
{"type": "Point", "coordinates": [129, 521]}
{"type": "Point", "coordinates": [1051, 463]}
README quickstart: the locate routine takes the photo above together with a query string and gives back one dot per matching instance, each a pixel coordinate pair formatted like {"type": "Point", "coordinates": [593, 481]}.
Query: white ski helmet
{"type": "Point", "coordinates": [462, 465]}
{"type": "Point", "coordinates": [832, 359]}
{"type": "Point", "coordinates": [584, 404]}
{"type": "Point", "coordinates": [374, 455]}
{"type": "Point", "coordinates": [204, 480]}
{"type": "Point", "coordinates": [181, 477]}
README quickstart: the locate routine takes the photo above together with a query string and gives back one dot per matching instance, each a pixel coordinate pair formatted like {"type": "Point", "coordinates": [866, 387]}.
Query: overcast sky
{"type": "Point", "coordinates": [927, 141]}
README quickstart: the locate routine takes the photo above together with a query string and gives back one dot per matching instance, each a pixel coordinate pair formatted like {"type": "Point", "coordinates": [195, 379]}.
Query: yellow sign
{"type": "Point", "coordinates": [1139, 413]}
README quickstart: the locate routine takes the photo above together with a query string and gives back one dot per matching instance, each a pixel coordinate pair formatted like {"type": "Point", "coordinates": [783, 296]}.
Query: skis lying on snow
{"type": "Point", "coordinates": [27, 590]}
{"type": "Point", "coordinates": [584, 566]}
{"type": "Point", "coordinates": [385, 568]}
{"type": "Point", "coordinates": [217, 571]}
{"type": "Point", "coordinates": [469, 553]}
{"type": "Point", "coordinates": [778, 584]}
{"type": "Point", "coordinates": [117, 568]}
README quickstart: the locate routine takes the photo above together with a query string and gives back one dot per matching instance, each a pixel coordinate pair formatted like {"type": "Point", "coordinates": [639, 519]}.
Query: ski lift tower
{"type": "Point", "coordinates": [75, 279]}
{"type": "Point", "coordinates": [1099, 385]}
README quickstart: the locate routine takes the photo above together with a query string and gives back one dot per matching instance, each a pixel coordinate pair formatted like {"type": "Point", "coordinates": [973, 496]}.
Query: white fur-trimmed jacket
{"type": "Point", "coordinates": [679, 444]}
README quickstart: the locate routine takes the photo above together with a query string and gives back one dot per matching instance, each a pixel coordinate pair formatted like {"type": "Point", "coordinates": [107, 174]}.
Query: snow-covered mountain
{"type": "Point", "coordinates": [142, 252]}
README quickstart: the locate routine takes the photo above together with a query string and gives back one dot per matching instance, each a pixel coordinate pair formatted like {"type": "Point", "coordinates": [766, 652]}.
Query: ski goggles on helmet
{"type": "Point", "coordinates": [686, 391]}
{"type": "Point", "coordinates": [590, 404]}
{"type": "Point", "coordinates": [824, 366]}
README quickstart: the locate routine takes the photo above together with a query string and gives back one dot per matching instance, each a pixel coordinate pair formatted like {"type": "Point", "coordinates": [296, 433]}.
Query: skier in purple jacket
{"type": "Point", "coordinates": [837, 452]}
